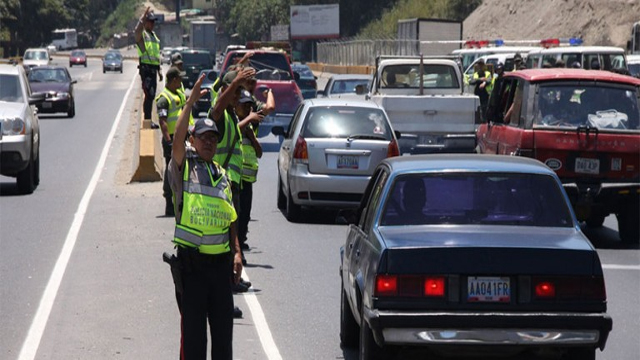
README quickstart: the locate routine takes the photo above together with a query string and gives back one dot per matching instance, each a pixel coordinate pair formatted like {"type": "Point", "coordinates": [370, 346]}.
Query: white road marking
{"type": "Point", "coordinates": [32, 342]}
{"type": "Point", "coordinates": [260, 321]}
{"type": "Point", "coordinates": [620, 267]}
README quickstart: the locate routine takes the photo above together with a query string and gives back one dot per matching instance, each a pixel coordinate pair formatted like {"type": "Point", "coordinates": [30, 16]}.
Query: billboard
{"type": "Point", "coordinates": [315, 21]}
{"type": "Point", "coordinates": [279, 32]}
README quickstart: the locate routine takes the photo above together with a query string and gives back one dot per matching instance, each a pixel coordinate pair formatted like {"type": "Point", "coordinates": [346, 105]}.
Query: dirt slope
{"type": "Point", "coordinates": [597, 22]}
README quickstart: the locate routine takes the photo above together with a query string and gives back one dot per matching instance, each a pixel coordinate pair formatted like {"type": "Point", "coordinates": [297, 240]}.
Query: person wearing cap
{"type": "Point", "coordinates": [149, 57]}
{"type": "Point", "coordinates": [481, 79]}
{"type": "Point", "coordinates": [517, 62]}
{"type": "Point", "coordinates": [205, 237]}
{"type": "Point", "coordinates": [169, 104]}
{"type": "Point", "coordinates": [176, 61]}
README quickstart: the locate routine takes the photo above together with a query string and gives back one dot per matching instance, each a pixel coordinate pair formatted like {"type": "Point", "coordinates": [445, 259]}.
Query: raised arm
{"type": "Point", "coordinates": [140, 28]}
{"type": "Point", "coordinates": [225, 98]}
{"type": "Point", "coordinates": [182, 126]}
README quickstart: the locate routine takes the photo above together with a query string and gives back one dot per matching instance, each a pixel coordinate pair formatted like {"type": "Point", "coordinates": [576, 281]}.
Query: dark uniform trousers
{"type": "Point", "coordinates": [148, 76]}
{"type": "Point", "coordinates": [246, 197]}
{"type": "Point", "coordinates": [166, 187]}
{"type": "Point", "coordinates": [207, 295]}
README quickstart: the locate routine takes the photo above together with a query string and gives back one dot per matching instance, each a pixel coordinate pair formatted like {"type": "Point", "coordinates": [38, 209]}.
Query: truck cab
{"type": "Point", "coordinates": [583, 124]}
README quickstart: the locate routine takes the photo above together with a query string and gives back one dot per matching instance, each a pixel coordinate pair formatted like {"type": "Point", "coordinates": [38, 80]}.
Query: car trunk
{"type": "Point", "coordinates": [333, 156]}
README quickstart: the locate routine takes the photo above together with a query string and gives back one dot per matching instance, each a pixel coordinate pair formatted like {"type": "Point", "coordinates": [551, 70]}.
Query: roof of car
{"type": "Point", "coordinates": [466, 162]}
{"type": "Point", "coordinates": [535, 75]}
{"type": "Point", "coordinates": [48, 67]}
{"type": "Point", "coordinates": [343, 102]}
{"type": "Point", "coordinates": [351, 77]}
{"type": "Point", "coordinates": [12, 69]}
{"type": "Point", "coordinates": [578, 49]}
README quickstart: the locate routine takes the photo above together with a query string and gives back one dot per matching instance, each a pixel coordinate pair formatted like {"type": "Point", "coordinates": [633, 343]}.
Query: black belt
{"type": "Point", "coordinates": [192, 254]}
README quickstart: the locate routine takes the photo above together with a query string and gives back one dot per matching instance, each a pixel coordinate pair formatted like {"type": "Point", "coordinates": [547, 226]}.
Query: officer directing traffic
{"type": "Point", "coordinates": [205, 237]}
{"type": "Point", "coordinates": [149, 58]}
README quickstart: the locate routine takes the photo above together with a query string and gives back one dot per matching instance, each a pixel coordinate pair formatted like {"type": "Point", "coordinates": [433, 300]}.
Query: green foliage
{"type": "Point", "coordinates": [256, 23]}
{"type": "Point", "coordinates": [122, 19]}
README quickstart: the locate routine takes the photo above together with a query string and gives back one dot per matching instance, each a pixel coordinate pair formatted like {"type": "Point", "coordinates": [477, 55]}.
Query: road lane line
{"type": "Point", "coordinates": [32, 342]}
{"type": "Point", "coordinates": [620, 267]}
{"type": "Point", "coordinates": [268, 345]}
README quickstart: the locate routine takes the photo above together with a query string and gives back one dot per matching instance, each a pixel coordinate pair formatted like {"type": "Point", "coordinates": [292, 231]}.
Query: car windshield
{"type": "Point", "coordinates": [77, 53]}
{"type": "Point", "coordinates": [476, 199]}
{"type": "Point", "coordinates": [197, 59]}
{"type": "Point", "coordinates": [304, 71]}
{"type": "Point", "coordinates": [10, 88]}
{"type": "Point", "coordinates": [634, 69]}
{"type": "Point", "coordinates": [347, 86]}
{"type": "Point", "coordinates": [48, 75]}
{"type": "Point", "coordinates": [597, 106]}
{"type": "Point", "coordinates": [111, 56]}
{"type": "Point", "coordinates": [35, 55]}
{"type": "Point", "coordinates": [269, 66]}
{"type": "Point", "coordinates": [346, 122]}
{"type": "Point", "coordinates": [408, 76]}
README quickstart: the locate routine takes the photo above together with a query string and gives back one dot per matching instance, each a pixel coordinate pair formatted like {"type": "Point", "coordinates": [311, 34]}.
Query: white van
{"type": "Point", "coordinates": [35, 57]}
{"type": "Point", "coordinates": [633, 63]}
{"type": "Point", "coordinates": [608, 57]}
{"type": "Point", "coordinates": [468, 56]}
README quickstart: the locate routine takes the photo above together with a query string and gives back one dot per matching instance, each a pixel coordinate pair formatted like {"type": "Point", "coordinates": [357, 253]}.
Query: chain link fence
{"type": "Point", "coordinates": [363, 52]}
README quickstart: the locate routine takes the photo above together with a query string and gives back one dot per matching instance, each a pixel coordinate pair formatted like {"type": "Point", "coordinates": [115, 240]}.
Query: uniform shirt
{"type": "Point", "coordinates": [163, 107]}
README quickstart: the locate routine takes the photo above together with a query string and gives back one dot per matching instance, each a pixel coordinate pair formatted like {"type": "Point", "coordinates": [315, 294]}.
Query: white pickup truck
{"type": "Point", "coordinates": [424, 100]}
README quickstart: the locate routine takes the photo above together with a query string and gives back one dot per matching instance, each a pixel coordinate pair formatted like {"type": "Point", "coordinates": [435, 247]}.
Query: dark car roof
{"type": "Point", "coordinates": [537, 75]}
{"type": "Point", "coordinates": [466, 162]}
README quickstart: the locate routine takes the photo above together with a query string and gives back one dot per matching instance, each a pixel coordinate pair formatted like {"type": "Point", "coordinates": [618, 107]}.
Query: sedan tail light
{"type": "Point", "coordinates": [300, 152]}
{"type": "Point", "coordinates": [410, 286]}
{"type": "Point", "coordinates": [393, 149]}
{"type": "Point", "coordinates": [569, 288]}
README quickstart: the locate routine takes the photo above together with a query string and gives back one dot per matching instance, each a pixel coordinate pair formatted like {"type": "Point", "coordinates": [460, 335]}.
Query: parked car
{"type": "Point", "coordinates": [57, 85]}
{"type": "Point", "coordinates": [35, 57]}
{"type": "Point", "coordinates": [19, 128]}
{"type": "Point", "coordinates": [193, 62]}
{"type": "Point", "coordinates": [346, 84]}
{"type": "Point", "coordinates": [204, 103]}
{"type": "Point", "coordinates": [307, 82]}
{"type": "Point", "coordinates": [112, 61]}
{"type": "Point", "coordinates": [77, 57]}
{"type": "Point", "coordinates": [585, 125]}
{"type": "Point", "coordinates": [329, 152]}
{"type": "Point", "coordinates": [461, 253]}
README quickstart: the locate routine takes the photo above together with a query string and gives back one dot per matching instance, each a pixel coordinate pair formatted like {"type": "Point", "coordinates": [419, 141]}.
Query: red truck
{"type": "Point", "coordinates": [583, 124]}
{"type": "Point", "coordinates": [273, 71]}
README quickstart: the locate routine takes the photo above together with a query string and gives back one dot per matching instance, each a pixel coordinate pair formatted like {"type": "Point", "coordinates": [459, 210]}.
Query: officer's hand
{"type": "Point", "coordinates": [237, 267]}
{"type": "Point", "coordinates": [256, 117]}
{"type": "Point", "coordinates": [245, 74]}
{"type": "Point", "coordinates": [196, 92]}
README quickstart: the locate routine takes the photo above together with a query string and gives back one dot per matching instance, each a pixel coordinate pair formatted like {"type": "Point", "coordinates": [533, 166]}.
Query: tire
{"type": "Point", "coordinates": [104, 71]}
{"type": "Point", "coordinates": [282, 199]}
{"type": "Point", "coordinates": [369, 349]}
{"type": "Point", "coordinates": [36, 174]}
{"type": "Point", "coordinates": [26, 178]}
{"type": "Point", "coordinates": [348, 325]}
{"type": "Point", "coordinates": [72, 110]}
{"type": "Point", "coordinates": [293, 210]}
{"type": "Point", "coordinates": [580, 354]}
{"type": "Point", "coordinates": [85, 64]}
{"type": "Point", "coordinates": [629, 225]}
{"type": "Point", "coordinates": [595, 221]}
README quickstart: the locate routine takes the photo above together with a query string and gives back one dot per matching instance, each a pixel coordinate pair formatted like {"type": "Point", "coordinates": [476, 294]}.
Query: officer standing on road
{"type": "Point", "coordinates": [149, 58]}
{"type": "Point", "coordinates": [169, 104]}
{"type": "Point", "coordinates": [481, 79]}
{"type": "Point", "coordinates": [205, 237]}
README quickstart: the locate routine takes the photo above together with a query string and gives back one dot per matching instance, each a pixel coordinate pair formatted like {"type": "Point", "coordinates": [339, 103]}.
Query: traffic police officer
{"type": "Point", "coordinates": [205, 236]}
{"type": "Point", "coordinates": [149, 58]}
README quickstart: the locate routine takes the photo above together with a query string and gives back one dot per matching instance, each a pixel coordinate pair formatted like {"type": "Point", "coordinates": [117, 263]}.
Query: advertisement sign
{"type": "Point", "coordinates": [315, 21]}
{"type": "Point", "coordinates": [279, 32]}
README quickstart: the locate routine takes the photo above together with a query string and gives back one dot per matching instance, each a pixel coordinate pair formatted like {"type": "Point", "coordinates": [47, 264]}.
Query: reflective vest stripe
{"type": "Point", "coordinates": [247, 172]}
{"type": "Point", "coordinates": [234, 167]}
{"type": "Point", "coordinates": [151, 55]}
{"type": "Point", "coordinates": [205, 190]}
{"type": "Point", "coordinates": [186, 234]}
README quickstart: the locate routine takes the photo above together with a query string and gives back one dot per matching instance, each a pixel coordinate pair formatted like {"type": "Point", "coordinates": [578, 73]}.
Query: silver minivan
{"type": "Point", "coordinates": [329, 152]}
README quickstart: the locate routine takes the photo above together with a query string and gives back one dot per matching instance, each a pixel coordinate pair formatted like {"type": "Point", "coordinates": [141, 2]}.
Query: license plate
{"type": "Point", "coordinates": [488, 289]}
{"type": "Point", "coordinates": [347, 162]}
{"type": "Point", "coordinates": [47, 105]}
{"type": "Point", "coordinates": [587, 166]}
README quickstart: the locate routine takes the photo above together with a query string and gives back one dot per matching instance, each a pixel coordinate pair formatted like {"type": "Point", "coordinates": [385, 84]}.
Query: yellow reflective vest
{"type": "Point", "coordinates": [176, 102]}
{"type": "Point", "coordinates": [249, 159]}
{"type": "Point", "coordinates": [151, 56]}
{"type": "Point", "coordinates": [207, 208]}
{"type": "Point", "coordinates": [230, 142]}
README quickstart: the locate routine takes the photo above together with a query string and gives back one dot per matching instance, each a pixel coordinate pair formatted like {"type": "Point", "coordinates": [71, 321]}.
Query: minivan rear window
{"type": "Point", "coordinates": [345, 122]}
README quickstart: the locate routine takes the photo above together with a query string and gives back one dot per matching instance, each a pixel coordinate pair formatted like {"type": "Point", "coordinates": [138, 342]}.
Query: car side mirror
{"type": "Point", "coordinates": [74, 81]}
{"type": "Point", "coordinates": [37, 98]}
{"type": "Point", "coordinates": [278, 131]}
{"type": "Point", "coordinates": [346, 217]}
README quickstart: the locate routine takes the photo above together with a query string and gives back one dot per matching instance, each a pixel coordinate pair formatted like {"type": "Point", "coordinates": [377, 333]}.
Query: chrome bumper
{"type": "Point", "coordinates": [490, 336]}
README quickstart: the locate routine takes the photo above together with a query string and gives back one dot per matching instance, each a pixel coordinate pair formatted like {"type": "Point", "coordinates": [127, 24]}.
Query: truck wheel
{"type": "Point", "coordinates": [348, 324]}
{"type": "Point", "coordinates": [26, 178]}
{"type": "Point", "coordinates": [595, 221]}
{"type": "Point", "coordinates": [369, 349]}
{"type": "Point", "coordinates": [580, 354]}
{"type": "Point", "coordinates": [629, 224]}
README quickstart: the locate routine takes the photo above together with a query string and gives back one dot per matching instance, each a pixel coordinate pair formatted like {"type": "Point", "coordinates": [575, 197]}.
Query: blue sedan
{"type": "Point", "coordinates": [467, 253]}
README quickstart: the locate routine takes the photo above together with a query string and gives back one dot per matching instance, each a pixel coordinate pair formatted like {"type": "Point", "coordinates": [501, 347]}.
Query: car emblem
{"type": "Point", "coordinates": [553, 164]}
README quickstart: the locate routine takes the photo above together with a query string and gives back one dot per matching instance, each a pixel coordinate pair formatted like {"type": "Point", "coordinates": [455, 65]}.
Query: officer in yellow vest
{"type": "Point", "coordinates": [481, 80]}
{"type": "Point", "coordinates": [205, 237]}
{"type": "Point", "coordinates": [169, 103]}
{"type": "Point", "coordinates": [149, 57]}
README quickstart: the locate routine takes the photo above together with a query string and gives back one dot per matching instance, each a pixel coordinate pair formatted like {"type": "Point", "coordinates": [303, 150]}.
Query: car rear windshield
{"type": "Point", "coordinates": [112, 56]}
{"type": "Point", "coordinates": [10, 88]}
{"type": "Point", "coordinates": [408, 76]}
{"type": "Point", "coordinates": [202, 59]}
{"type": "Point", "coordinates": [48, 75]}
{"type": "Point", "coordinates": [269, 66]}
{"type": "Point", "coordinates": [348, 86]}
{"type": "Point", "coordinates": [77, 53]}
{"type": "Point", "coordinates": [598, 106]}
{"type": "Point", "coordinates": [346, 122]}
{"type": "Point", "coordinates": [477, 199]}
{"type": "Point", "coordinates": [35, 55]}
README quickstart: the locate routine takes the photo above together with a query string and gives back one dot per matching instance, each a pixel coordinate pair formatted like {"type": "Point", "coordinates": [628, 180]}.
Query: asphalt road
{"type": "Point", "coordinates": [111, 297]}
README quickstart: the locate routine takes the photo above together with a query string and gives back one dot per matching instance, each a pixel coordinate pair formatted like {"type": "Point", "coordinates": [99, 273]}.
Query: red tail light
{"type": "Point", "coordinates": [570, 288]}
{"type": "Point", "coordinates": [546, 290]}
{"type": "Point", "coordinates": [386, 285]}
{"type": "Point", "coordinates": [393, 149]}
{"type": "Point", "coordinates": [434, 286]}
{"type": "Point", "coordinates": [300, 150]}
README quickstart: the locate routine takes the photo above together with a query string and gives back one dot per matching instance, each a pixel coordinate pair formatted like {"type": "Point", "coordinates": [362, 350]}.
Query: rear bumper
{"type": "Point", "coordinates": [317, 190]}
{"type": "Point", "coordinates": [437, 143]}
{"type": "Point", "coordinates": [494, 329]}
{"type": "Point", "coordinates": [54, 106]}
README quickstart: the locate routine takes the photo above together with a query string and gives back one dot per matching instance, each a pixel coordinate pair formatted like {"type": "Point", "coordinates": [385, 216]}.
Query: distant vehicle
{"type": "Point", "coordinates": [64, 39]}
{"type": "Point", "coordinates": [52, 49]}
{"type": "Point", "coordinates": [204, 103]}
{"type": "Point", "coordinates": [19, 128]}
{"type": "Point", "coordinates": [346, 84]}
{"type": "Point", "coordinates": [78, 57]}
{"type": "Point", "coordinates": [606, 57]}
{"type": "Point", "coordinates": [633, 44]}
{"type": "Point", "coordinates": [112, 61]}
{"type": "Point", "coordinates": [307, 82]}
{"type": "Point", "coordinates": [491, 61]}
{"type": "Point", "coordinates": [56, 83]}
{"type": "Point", "coordinates": [166, 55]}
{"type": "Point", "coordinates": [633, 63]}
{"type": "Point", "coordinates": [193, 62]}
{"type": "Point", "coordinates": [35, 57]}
{"type": "Point", "coordinates": [202, 35]}
{"type": "Point", "coordinates": [583, 124]}
{"type": "Point", "coordinates": [329, 152]}
{"type": "Point", "coordinates": [471, 54]}
{"type": "Point", "coordinates": [420, 269]}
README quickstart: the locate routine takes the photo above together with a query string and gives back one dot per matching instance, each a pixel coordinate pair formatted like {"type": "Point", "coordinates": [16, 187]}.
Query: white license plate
{"type": "Point", "coordinates": [347, 162]}
{"type": "Point", "coordinates": [47, 105]}
{"type": "Point", "coordinates": [587, 166]}
{"type": "Point", "coordinates": [488, 289]}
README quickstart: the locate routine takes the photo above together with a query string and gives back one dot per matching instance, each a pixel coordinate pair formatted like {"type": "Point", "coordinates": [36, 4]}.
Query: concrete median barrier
{"type": "Point", "coordinates": [148, 163]}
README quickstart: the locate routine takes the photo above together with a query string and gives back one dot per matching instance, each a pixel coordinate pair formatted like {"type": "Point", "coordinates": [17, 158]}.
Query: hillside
{"type": "Point", "coordinates": [598, 22]}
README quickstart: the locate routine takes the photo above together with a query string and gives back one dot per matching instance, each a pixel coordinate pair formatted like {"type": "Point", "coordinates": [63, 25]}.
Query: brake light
{"type": "Point", "coordinates": [386, 285]}
{"type": "Point", "coordinates": [570, 288]}
{"type": "Point", "coordinates": [545, 289]}
{"type": "Point", "coordinates": [300, 150]}
{"type": "Point", "coordinates": [393, 149]}
{"type": "Point", "coordinates": [434, 286]}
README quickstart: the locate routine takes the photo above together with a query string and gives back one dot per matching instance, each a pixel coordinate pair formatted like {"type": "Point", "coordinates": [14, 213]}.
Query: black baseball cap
{"type": "Point", "coordinates": [203, 125]}
{"type": "Point", "coordinates": [151, 17]}
{"type": "Point", "coordinates": [245, 97]}
{"type": "Point", "coordinates": [173, 73]}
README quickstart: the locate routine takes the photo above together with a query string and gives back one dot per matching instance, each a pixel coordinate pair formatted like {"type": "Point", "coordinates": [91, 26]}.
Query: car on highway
{"type": "Point", "coordinates": [329, 152]}
{"type": "Point", "coordinates": [19, 128]}
{"type": "Point", "coordinates": [77, 57]}
{"type": "Point", "coordinates": [35, 57]}
{"type": "Point", "coordinates": [112, 61]}
{"type": "Point", "coordinates": [56, 83]}
{"type": "Point", "coordinates": [585, 57]}
{"type": "Point", "coordinates": [201, 107]}
{"type": "Point", "coordinates": [463, 253]}
{"type": "Point", "coordinates": [307, 81]}
{"type": "Point", "coordinates": [193, 62]}
{"type": "Point", "coordinates": [166, 55]}
{"type": "Point", "coordinates": [346, 85]}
